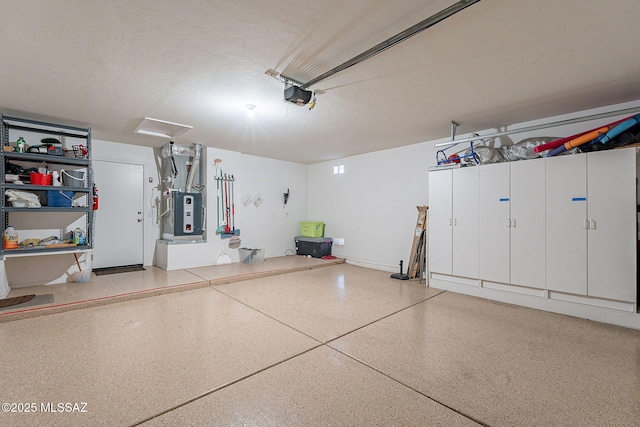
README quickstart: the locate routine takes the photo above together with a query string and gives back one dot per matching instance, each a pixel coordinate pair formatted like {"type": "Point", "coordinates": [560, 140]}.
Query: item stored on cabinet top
{"type": "Point", "coordinates": [554, 144]}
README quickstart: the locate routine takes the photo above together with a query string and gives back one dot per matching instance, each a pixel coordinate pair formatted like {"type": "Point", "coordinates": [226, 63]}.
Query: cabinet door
{"type": "Point", "coordinates": [566, 234]}
{"type": "Point", "coordinates": [494, 222]}
{"type": "Point", "coordinates": [612, 214]}
{"type": "Point", "coordinates": [528, 223]}
{"type": "Point", "coordinates": [440, 218]}
{"type": "Point", "coordinates": [465, 222]}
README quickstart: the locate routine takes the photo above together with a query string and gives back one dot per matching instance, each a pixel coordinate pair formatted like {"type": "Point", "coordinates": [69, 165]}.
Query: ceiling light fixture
{"type": "Point", "coordinates": [250, 110]}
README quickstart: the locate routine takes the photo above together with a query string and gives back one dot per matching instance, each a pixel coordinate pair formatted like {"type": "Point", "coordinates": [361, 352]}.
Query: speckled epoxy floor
{"type": "Point", "coordinates": [338, 345]}
{"type": "Point", "coordinates": [108, 289]}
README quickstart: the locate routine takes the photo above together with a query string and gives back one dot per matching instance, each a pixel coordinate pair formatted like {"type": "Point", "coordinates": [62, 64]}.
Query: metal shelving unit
{"type": "Point", "coordinates": [62, 132]}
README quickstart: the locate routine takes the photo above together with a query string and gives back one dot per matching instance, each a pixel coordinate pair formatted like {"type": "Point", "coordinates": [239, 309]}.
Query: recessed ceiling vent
{"type": "Point", "coordinates": [297, 95]}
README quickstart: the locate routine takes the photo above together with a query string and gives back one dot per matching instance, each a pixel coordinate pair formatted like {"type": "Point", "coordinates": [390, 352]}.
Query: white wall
{"type": "Point", "coordinates": [272, 225]}
{"type": "Point", "coordinates": [373, 205]}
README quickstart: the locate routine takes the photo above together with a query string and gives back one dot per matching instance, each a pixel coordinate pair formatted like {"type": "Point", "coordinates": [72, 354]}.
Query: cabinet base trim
{"type": "Point", "coordinates": [455, 279]}
{"type": "Point", "coordinates": [514, 288]}
{"type": "Point", "coordinates": [624, 314]}
{"type": "Point", "coordinates": [615, 305]}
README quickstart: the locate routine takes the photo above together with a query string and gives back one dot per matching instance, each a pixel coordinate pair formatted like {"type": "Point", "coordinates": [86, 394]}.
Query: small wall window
{"type": "Point", "coordinates": [339, 169]}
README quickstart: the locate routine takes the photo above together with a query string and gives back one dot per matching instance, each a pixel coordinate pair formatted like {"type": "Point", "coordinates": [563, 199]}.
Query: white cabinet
{"type": "Point", "coordinates": [512, 222]}
{"type": "Point", "coordinates": [453, 222]}
{"type": "Point", "coordinates": [612, 242]}
{"type": "Point", "coordinates": [566, 224]}
{"type": "Point", "coordinates": [591, 224]}
{"type": "Point", "coordinates": [440, 213]}
{"type": "Point", "coordinates": [566, 249]}
{"type": "Point", "coordinates": [528, 223]}
{"type": "Point", "coordinates": [495, 220]}
{"type": "Point", "coordinates": [465, 222]}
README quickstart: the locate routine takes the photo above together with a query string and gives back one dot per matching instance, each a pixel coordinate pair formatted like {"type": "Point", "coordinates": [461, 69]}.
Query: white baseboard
{"type": "Point", "coordinates": [374, 265]}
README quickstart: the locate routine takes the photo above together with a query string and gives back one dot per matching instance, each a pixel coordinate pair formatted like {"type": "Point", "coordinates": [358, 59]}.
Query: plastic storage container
{"type": "Point", "coordinates": [317, 247]}
{"type": "Point", "coordinates": [251, 256]}
{"type": "Point", "coordinates": [40, 178]}
{"type": "Point", "coordinates": [10, 238]}
{"type": "Point", "coordinates": [311, 229]}
{"type": "Point", "coordinates": [59, 198]}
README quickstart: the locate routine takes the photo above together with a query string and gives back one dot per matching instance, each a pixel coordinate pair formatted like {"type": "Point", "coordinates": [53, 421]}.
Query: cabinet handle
{"type": "Point", "coordinates": [455, 222]}
{"type": "Point", "coordinates": [586, 224]}
{"type": "Point", "coordinates": [593, 224]}
{"type": "Point", "coordinates": [514, 223]}
{"type": "Point", "coordinates": [450, 222]}
{"type": "Point", "coordinates": [508, 222]}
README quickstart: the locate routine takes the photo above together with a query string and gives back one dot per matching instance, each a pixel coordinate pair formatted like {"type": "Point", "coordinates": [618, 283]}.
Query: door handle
{"type": "Point", "coordinates": [139, 219]}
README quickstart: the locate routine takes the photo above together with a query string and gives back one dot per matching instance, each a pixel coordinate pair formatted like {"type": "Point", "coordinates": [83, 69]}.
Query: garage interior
{"type": "Point", "coordinates": [197, 336]}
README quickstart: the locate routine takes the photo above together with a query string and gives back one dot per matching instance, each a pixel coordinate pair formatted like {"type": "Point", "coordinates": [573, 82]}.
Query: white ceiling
{"type": "Point", "coordinates": [109, 64]}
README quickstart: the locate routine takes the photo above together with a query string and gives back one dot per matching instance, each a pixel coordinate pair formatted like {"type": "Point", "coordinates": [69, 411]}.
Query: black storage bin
{"type": "Point", "coordinates": [317, 247]}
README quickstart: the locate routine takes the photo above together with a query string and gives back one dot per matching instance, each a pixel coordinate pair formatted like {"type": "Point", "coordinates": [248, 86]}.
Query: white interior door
{"type": "Point", "coordinates": [119, 229]}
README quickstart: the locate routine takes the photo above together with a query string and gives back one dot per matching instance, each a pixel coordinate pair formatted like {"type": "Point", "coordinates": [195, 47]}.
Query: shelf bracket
{"type": "Point", "coordinates": [454, 127]}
